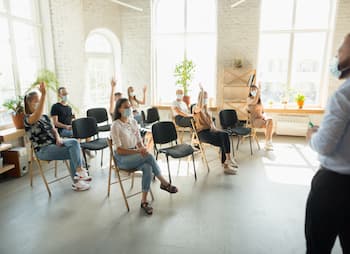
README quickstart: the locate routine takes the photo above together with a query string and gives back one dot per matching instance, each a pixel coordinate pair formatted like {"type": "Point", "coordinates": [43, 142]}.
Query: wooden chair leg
{"type": "Point", "coordinates": [204, 156]}
{"type": "Point", "coordinates": [257, 141]}
{"type": "Point", "coordinates": [123, 191]}
{"type": "Point", "coordinates": [43, 177]}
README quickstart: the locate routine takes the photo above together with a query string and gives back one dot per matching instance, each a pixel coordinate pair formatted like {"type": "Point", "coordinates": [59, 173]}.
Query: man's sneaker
{"type": "Point", "coordinates": [80, 186]}
{"type": "Point", "coordinates": [82, 175]}
{"type": "Point", "coordinates": [233, 163]}
{"type": "Point", "coordinates": [229, 169]}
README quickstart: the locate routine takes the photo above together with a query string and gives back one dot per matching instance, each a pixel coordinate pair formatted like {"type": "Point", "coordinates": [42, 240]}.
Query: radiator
{"type": "Point", "coordinates": [291, 125]}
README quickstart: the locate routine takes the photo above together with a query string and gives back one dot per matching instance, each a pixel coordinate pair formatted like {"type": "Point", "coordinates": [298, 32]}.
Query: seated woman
{"type": "Point", "coordinates": [258, 117]}
{"type": "Point", "coordinates": [208, 133]}
{"type": "Point", "coordinates": [131, 154]}
{"type": "Point", "coordinates": [46, 141]}
{"type": "Point", "coordinates": [135, 103]}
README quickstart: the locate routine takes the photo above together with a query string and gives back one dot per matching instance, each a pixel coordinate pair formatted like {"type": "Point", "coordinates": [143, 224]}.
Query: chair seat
{"type": "Point", "coordinates": [178, 151]}
{"type": "Point", "coordinates": [239, 131]}
{"type": "Point", "coordinates": [94, 145]}
{"type": "Point", "coordinates": [104, 128]}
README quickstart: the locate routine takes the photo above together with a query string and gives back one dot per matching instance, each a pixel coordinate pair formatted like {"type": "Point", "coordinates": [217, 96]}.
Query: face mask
{"type": "Point", "coordinates": [179, 96]}
{"type": "Point", "coordinates": [333, 67]}
{"type": "Point", "coordinates": [127, 112]}
{"type": "Point", "coordinates": [253, 93]}
{"type": "Point", "coordinates": [132, 94]}
{"type": "Point", "coordinates": [65, 98]}
{"type": "Point", "coordinates": [205, 101]}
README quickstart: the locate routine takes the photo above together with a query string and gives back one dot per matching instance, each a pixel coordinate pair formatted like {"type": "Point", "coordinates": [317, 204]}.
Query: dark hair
{"type": "Point", "coordinates": [118, 94]}
{"type": "Point", "coordinates": [60, 89]}
{"type": "Point", "coordinates": [118, 105]}
{"type": "Point", "coordinates": [27, 99]}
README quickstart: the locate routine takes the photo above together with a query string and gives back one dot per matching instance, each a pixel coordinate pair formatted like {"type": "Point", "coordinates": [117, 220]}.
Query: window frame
{"type": "Point", "coordinates": [36, 24]}
{"type": "Point", "coordinates": [324, 81]}
{"type": "Point", "coordinates": [184, 35]}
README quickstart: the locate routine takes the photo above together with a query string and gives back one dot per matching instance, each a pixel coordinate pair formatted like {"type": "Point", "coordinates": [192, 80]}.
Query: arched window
{"type": "Point", "coordinates": [102, 49]}
{"type": "Point", "coordinates": [184, 29]}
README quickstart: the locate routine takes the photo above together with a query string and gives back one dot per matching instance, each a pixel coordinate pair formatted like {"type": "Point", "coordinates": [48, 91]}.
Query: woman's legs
{"type": "Point", "coordinates": [70, 150]}
{"type": "Point", "coordinates": [217, 138]}
{"type": "Point", "coordinates": [269, 130]}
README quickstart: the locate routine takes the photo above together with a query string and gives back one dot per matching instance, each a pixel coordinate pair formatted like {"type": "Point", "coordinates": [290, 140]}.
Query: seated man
{"type": "Point", "coordinates": [61, 114]}
{"type": "Point", "coordinates": [180, 111]}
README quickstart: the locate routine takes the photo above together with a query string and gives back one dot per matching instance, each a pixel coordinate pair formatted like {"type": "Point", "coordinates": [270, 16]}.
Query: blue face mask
{"type": "Point", "coordinates": [334, 67]}
{"type": "Point", "coordinates": [127, 112]}
{"type": "Point", "coordinates": [65, 98]}
{"type": "Point", "coordinates": [205, 101]}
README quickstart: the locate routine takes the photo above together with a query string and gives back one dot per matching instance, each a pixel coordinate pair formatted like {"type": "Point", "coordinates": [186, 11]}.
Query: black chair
{"type": "Point", "coordinates": [101, 116]}
{"type": "Point", "coordinates": [230, 123]}
{"type": "Point", "coordinates": [84, 128]}
{"type": "Point", "coordinates": [152, 116]}
{"type": "Point", "coordinates": [165, 133]}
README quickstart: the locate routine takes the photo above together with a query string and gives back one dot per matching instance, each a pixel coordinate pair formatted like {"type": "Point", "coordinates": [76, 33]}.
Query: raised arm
{"type": "Point", "coordinates": [35, 116]}
{"type": "Point", "coordinates": [143, 102]}
{"type": "Point", "coordinates": [111, 98]}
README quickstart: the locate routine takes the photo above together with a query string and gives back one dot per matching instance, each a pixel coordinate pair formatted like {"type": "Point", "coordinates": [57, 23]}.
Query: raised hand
{"type": "Point", "coordinates": [144, 89]}
{"type": "Point", "coordinates": [42, 88]}
{"type": "Point", "coordinates": [113, 82]}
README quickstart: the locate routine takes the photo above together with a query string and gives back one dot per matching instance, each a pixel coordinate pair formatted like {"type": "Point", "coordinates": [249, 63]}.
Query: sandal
{"type": "Point", "coordinates": [169, 188]}
{"type": "Point", "coordinates": [147, 208]}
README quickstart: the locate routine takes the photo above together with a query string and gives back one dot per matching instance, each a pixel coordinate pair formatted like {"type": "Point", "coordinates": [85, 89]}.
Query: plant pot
{"type": "Point", "coordinates": [300, 104]}
{"type": "Point", "coordinates": [18, 120]}
{"type": "Point", "coordinates": [187, 100]}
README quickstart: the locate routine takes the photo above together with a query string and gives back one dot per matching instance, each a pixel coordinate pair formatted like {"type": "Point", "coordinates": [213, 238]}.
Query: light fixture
{"type": "Point", "coordinates": [127, 5]}
{"type": "Point", "coordinates": [237, 3]}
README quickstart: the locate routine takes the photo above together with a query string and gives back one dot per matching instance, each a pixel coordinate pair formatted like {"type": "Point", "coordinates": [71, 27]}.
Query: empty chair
{"type": "Point", "coordinates": [165, 133]}
{"type": "Point", "coordinates": [151, 117]}
{"type": "Point", "coordinates": [84, 128]}
{"type": "Point", "coordinates": [101, 116]}
{"type": "Point", "coordinates": [230, 123]}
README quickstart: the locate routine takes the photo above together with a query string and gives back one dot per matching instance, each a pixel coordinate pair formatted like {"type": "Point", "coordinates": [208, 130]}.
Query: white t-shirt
{"type": "Point", "coordinates": [125, 135]}
{"type": "Point", "coordinates": [182, 106]}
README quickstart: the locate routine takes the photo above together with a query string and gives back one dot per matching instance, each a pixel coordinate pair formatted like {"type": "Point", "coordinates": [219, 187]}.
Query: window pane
{"type": "Point", "coordinates": [203, 20]}
{"type": "Point", "coordinates": [2, 5]}
{"type": "Point", "coordinates": [202, 51]}
{"type": "Point", "coordinates": [23, 8]}
{"type": "Point", "coordinates": [273, 65]}
{"type": "Point", "coordinates": [28, 53]}
{"type": "Point", "coordinates": [170, 16]}
{"type": "Point", "coordinates": [170, 51]}
{"type": "Point", "coordinates": [276, 14]}
{"type": "Point", "coordinates": [99, 73]}
{"type": "Point", "coordinates": [308, 60]}
{"type": "Point", "coordinates": [312, 14]}
{"type": "Point", "coordinates": [7, 85]}
{"type": "Point", "coordinates": [98, 44]}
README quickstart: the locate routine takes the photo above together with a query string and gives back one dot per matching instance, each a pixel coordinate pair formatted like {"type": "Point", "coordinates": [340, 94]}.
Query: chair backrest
{"type": "Point", "coordinates": [192, 107]}
{"type": "Point", "coordinates": [84, 127]}
{"type": "Point", "coordinates": [228, 118]}
{"type": "Point", "coordinates": [100, 114]}
{"type": "Point", "coordinates": [152, 115]}
{"type": "Point", "coordinates": [164, 132]}
{"type": "Point", "coordinates": [143, 116]}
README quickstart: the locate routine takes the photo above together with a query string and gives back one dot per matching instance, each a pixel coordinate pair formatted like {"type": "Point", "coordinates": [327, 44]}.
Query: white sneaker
{"type": "Point", "coordinates": [80, 186]}
{"type": "Point", "coordinates": [229, 169]}
{"type": "Point", "coordinates": [269, 146]}
{"type": "Point", "coordinates": [82, 175]}
{"type": "Point", "coordinates": [233, 163]}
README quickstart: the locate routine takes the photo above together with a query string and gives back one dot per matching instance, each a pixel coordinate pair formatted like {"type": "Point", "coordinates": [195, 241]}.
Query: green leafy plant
{"type": "Point", "coordinates": [15, 105]}
{"type": "Point", "coordinates": [184, 72]}
{"type": "Point", "coordinates": [299, 97]}
{"type": "Point", "coordinates": [49, 78]}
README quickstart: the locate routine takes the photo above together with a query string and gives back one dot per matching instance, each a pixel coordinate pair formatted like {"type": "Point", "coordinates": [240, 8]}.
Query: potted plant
{"type": "Point", "coordinates": [300, 99]}
{"type": "Point", "coordinates": [49, 78]}
{"type": "Point", "coordinates": [17, 109]}
{"type": "Point", "coordinates": [184, 74]}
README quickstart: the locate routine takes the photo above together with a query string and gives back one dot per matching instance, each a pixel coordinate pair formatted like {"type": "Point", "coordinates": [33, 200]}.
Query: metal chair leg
{"type": "Point", "coordinates": [238, 140]}
{"type": "Point", "coordinates": [194, 168]}
{"type": "Point", "coordinates": [167, 160]}
{"type": "Point", "coordinates": [250, 143]}
{"type": "Point", "coordinates": [86, 164]}
{"type": "Point", "coordinates": [55, 168]}
{"type": "Point", "coordinates": [101, 158]}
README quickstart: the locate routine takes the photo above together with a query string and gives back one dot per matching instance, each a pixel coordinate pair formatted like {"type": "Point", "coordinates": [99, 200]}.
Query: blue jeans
{"type": "Point", "coordinates": [147, 165]}
{"type": "Point", "coordinates": [69, 151]}
{"type": "Point", "coordinates": [64, 133]}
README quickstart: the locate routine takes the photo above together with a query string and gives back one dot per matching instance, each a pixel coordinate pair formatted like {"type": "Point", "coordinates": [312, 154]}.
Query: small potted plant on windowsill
{"type": "Point", "coordinates": [300, 99]}
{"type": "Point", "coordinates": [184, 74]}
{"type": "Point", "coordinates": [15, 106]}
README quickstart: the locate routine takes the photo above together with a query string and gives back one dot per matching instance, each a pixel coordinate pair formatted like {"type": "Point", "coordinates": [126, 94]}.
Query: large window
{"type": "Point", "coordinates": [103, 60]}
{"type": "Point", "coordinates": [184, 29]}
{"type": "Point", "coordinates": [20, 47]}
{"type": "Point", "coordinates": [294, 38]}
